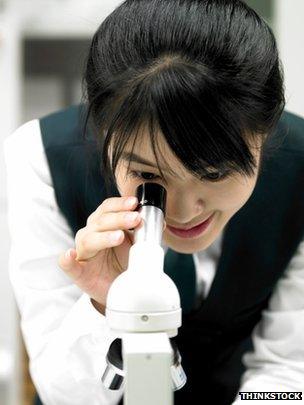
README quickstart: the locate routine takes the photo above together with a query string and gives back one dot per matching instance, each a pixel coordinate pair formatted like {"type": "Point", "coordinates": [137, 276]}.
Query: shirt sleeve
{"type": "Point", "coordinates": [66, 338]}
{"type": "Point", "coordinates": [276, 363]}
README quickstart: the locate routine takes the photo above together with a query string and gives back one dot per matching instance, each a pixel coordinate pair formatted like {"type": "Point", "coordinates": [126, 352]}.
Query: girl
{"type": "Point", "coordinates": [188, 94]}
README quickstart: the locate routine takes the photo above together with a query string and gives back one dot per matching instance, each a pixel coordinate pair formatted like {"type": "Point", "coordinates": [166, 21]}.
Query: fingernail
{"type": "Point", "coordinates": [130, 201]}
{"type": "Point", "coordinates": [114, 236]}
{"type": "Point", "coordinates": [68, 254]}
{"type": "Point", "coordinates": [131, 216]}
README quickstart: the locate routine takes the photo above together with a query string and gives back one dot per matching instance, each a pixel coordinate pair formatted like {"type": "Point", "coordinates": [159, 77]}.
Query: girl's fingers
{"type": "Point", "coordinates": [112, 221]}
{"type": "Point", "coordinates": [113, 204]}
{"type": "Point", "coordinates": [90, 244]}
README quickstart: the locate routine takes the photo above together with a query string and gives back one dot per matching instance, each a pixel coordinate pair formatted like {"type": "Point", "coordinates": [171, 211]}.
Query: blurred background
{"type": "Point", "coordinates": [43, 44]}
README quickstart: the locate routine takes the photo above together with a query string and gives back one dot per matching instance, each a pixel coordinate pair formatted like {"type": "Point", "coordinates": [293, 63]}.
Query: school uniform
{"type": "Point", "coordinates": [245, 330]}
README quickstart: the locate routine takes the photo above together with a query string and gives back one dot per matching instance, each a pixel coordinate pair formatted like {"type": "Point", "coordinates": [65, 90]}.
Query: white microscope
{"type": "Point", "coordinates": [143, 309]}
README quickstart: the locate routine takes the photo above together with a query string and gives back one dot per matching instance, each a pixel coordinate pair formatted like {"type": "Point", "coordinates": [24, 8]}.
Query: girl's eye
{"type": "Point", "coordinates": [213, 177]}
{"type": "Point", "coordinates": [216, 176]}
{"type": "Point", "coordinates": [143, 175]}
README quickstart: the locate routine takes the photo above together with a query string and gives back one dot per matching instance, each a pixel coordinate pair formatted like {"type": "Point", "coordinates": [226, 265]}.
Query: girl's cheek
{"type": "Point", "coordinates": [234, 194]}
{"type": "Point", "coordinates": [125, 185]}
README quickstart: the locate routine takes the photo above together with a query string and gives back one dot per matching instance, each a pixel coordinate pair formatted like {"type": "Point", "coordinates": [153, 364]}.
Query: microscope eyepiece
{"type": "Point", "coordinates": [151, 194]}
{"type": "Point", "coordinates": [152, 207]}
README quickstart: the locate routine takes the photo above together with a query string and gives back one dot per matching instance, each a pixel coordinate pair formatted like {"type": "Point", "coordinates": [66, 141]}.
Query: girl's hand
{"type": "Point", "coordinates": [98, 259]}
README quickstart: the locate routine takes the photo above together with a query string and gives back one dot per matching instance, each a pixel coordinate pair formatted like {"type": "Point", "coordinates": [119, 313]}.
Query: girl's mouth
{"type": "Point", "coordinates": [192, 232]}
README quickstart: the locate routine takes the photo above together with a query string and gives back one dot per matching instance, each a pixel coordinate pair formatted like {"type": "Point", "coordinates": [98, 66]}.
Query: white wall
{"type": "Point", "coordinates": [289, 31]}
{"type": "Point", "coordinates": [10, 83]}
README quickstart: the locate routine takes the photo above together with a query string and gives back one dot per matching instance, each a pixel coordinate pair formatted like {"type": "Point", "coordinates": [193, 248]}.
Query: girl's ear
{"type": "Point", "coordinates": [165, 225]}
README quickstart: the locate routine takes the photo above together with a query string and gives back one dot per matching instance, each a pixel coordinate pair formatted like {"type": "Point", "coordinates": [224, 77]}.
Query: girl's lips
{"type": "Point", "coordinates": [192, 232]}
{"type": "Point", "coordinates": [188, 229]}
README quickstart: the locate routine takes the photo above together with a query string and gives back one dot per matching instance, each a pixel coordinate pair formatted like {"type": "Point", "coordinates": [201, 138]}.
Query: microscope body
{"type": "Point", "coordinates": [144, 298]}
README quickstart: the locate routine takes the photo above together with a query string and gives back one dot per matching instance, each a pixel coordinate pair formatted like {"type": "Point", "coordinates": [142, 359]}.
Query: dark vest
{"type": "Point", "coordinates": [259, 242]}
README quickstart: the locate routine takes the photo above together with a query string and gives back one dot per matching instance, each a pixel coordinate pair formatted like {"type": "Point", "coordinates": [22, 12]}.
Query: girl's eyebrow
{"type": "Point", "coordinates": [133, 157]}
{"type": "Point", "coordinates": [138, 159]}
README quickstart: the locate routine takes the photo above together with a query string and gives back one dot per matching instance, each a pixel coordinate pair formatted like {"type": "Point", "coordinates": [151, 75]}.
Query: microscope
{"type": "Point", "coordinates": [143, 309]}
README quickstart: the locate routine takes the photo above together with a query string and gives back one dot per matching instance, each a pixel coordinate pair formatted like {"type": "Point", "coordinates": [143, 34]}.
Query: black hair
{"type": "Point", "coordinates": [205, 74]}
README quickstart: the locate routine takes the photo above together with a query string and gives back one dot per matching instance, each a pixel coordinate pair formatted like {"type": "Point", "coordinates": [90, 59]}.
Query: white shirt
{"type": "Point", "coordinates": [67, 338]}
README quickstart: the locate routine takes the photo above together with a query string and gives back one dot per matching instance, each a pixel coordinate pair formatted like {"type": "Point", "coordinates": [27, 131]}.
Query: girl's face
{"type": "Point", "coordinates": [190, 200]}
